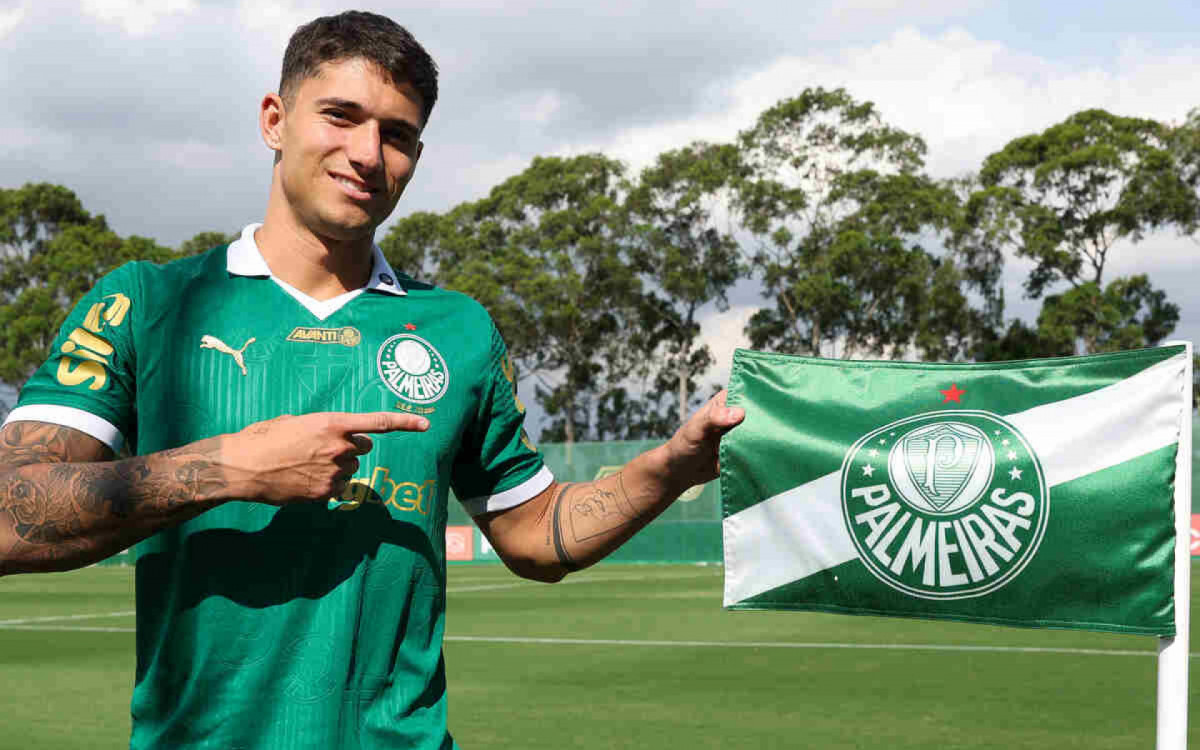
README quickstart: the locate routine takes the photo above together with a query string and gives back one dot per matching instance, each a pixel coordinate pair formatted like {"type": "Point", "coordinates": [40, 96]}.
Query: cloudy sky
{"type": "Point", "coordinates": [147, 109]}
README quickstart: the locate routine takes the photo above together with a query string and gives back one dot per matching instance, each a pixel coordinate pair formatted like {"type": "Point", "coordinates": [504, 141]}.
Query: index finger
{"type": "Point", "coordinates": [380, 421]}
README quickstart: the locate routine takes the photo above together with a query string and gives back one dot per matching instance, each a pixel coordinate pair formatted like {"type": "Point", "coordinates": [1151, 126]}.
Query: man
{"type": "Point", "coordinates": [270, 615]}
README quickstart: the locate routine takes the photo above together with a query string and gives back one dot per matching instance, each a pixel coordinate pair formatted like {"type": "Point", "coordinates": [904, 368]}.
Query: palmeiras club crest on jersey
{"type": "Point", "coordinates": [413, 369]}
{"type": "Point", "coordinates": [945, 505]}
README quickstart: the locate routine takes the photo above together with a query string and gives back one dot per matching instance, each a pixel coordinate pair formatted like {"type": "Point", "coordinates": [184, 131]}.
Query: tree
{"type": "Point", "coordinates": [1185, 147]}
{"type": "Point", "coordinates": [1064, 198]}
{"type": "Point", "coordinates": [621, 416]}
{"type": "Point", "coordinates": [565, 261]}
{"type": "Point", "coordinates": [203, 241]}
{"type": "Point", "coordinates": [546, 252]}
{"type": "Point", "coordinates": [689, 262]}
{"type": "Point", "coordinates": [1128, 314]}
{"type": "Point", "coordinates": [414, 245]}
{"type": "Point", "coordinates": [33, 213]}
{"type": "Point", "coordinates": [54, 252]}
{"type": "Point", "coordinates": [844, 215]}
{"type": "Point", "coordinates": [1195, 380]}
{"type": "Point", "coordinates": [1068, 194]}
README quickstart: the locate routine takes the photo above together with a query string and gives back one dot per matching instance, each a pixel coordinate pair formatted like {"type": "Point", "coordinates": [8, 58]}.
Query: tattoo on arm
{"type": "Point", "coordinates": [24, 443]}
{"type": "Point", "coordinates": [583, 513]}
{"type": "Point", "coordinates": [564, 557]}
{"type": "Point", "coordinates": [64, 502]}
{"type": "Point", "coordinates": [595, 510]}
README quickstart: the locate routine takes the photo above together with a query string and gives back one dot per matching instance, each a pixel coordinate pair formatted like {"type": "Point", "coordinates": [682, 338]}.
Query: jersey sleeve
{"type": "Point", "coordinates": [87, 381]}
{"type": "Point", "coordinates": [498, 466]}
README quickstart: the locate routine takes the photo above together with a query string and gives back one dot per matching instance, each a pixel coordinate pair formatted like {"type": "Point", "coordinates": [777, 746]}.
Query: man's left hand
{"type": "Point", "coordinates": [693, 450]}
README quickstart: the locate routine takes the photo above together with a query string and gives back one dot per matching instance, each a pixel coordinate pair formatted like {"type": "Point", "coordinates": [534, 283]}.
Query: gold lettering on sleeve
{"type": "Point", "coordinates": [82, 372]}
{"type": "Point", "coordinates": [87, 355]}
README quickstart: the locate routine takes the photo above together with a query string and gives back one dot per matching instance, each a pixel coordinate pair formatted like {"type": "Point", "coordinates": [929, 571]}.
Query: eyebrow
{"type": "Point", "coordinates": [334, 101]}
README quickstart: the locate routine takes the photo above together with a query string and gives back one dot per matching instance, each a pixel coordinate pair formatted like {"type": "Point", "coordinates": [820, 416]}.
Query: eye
{"type": "Point", "coordinates": [336, 114]}
{"type": "Point", "coordinates": [400, 138]}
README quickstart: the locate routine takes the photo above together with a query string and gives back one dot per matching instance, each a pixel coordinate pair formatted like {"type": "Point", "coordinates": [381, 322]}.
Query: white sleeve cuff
{"type": "Point", "coordinates": [510, 498]}
{"type": "Point", "coordinates": [68, 416]}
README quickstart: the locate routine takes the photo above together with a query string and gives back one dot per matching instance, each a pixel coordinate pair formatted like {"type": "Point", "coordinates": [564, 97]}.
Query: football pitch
{"type": "Point", "coordinates": [640, 656]}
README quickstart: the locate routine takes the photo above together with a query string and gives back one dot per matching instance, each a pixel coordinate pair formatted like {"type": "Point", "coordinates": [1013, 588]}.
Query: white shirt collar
{"type": "Point", "coordinates": [243, 258]}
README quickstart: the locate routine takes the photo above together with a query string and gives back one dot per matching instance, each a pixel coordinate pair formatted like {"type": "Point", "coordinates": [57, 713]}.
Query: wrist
{"type": "Point", "coordinates": [669, 470]}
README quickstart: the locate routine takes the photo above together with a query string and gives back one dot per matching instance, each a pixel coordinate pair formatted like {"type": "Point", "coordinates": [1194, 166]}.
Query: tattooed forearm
{"type": "Point", "coordinates": [61, 507]}
{"type": "Point", "coordinates": [596, 510]}
{"type": "Point", "coordinates": [589, 520]}
{"type": "Point", "coordinates": [560, 548]}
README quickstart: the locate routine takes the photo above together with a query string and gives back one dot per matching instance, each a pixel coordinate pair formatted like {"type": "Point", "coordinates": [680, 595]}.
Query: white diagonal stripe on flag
{"type": "Point", "coordinates": [791, 535]}
{"type": "Point", "coordinates": [800, 531]}
{"type": "Point", "coordinates": [1108, 426]}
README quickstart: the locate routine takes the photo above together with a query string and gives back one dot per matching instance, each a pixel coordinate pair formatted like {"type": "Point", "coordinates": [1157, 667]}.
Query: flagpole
{"type": "Point", "coordinates": [1173, 652]}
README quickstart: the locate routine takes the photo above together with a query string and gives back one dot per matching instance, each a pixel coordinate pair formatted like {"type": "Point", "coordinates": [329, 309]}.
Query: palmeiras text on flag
{"type": "Point", "coordinates": [1034, 493]}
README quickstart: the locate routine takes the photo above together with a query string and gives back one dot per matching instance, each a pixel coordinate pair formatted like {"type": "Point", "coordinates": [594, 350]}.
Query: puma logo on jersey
{"type": "Point", "coordinates": [212, 342]}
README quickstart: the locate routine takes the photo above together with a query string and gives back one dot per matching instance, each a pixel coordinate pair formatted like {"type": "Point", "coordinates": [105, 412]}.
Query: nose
{"type": "Point", "coordinates": [365, 147]}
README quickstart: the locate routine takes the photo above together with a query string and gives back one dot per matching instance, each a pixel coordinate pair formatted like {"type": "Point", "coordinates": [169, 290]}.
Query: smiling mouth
{"type": "Point", "coordinates": [354, 188]}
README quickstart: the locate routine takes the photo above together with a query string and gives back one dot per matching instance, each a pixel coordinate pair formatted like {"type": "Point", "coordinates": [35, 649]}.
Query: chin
{"type": "Point", "coordinates": [345, 227]}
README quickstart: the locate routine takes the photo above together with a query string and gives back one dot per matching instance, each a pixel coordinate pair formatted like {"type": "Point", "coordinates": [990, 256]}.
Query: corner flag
{"type": "Point", "coordinates": [1040, 493]}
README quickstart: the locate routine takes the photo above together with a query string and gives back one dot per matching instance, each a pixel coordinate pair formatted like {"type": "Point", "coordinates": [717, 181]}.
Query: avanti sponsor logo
{"type": "Point", "coordinates": [346, 335]}
{"type": "Point", "coordinates": [413, 369]}
{"type": "Point", "coordinates": [945, 505]}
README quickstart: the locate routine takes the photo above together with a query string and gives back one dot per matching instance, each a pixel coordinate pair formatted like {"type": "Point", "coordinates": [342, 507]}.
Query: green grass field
{"type": "Point", "coordinates": [639, 657]}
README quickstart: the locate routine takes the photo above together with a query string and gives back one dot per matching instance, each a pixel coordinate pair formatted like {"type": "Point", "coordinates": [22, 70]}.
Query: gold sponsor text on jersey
{"type": "Point", "coordinates": [381, 489]}
{"type": "Point", "coordinates": [346, 335]}
{"type": "Point", "coordinates": [87, 355]}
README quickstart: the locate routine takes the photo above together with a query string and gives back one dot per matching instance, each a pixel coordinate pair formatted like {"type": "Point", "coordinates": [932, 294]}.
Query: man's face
{"type": "Point", "coordinates": [348, 145]}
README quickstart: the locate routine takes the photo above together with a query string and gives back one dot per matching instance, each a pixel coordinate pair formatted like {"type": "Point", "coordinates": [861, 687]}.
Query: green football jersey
{"type": "Point", "coordinates": [311, 625]}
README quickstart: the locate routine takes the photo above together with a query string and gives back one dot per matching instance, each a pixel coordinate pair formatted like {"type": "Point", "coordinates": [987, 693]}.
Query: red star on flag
{"type": "Point", "coordinates": [409, 327]}
{"type": "Point", "coordinates": [952, 394]}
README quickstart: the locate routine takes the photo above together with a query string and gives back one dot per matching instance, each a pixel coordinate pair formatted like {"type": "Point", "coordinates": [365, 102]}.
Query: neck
{"type": "Point", "coordinates": [321, 267]}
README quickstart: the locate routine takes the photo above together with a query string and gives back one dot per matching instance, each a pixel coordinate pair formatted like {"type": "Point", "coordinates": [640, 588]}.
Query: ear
{"type": "Point", "coordinates": [271, 116]}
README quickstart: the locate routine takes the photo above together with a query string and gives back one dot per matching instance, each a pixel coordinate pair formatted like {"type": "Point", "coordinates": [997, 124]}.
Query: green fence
{"type": "Point", "coordinates": [689, 531]}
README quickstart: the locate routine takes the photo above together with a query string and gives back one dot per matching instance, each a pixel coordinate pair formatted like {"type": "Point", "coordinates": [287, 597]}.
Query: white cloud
{"type": "Point", "coordinates": [966, 96]}
{"type": "Point", "coordinates": [193, 155]}
{"type": "Point", "coordinates": [874, 11]}
{"type": "Point", "coordinates": [723, 332]}
{"type": "Point", "coordinates": [11, 18]}
{"type": "Point", "coordinates": [137, 17]}
{"type": "Point", "coordinates": [276, 19]}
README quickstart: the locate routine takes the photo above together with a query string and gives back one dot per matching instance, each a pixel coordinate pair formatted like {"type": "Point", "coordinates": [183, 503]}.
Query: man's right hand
{"type": "Point", "coordinates": [305, 458]}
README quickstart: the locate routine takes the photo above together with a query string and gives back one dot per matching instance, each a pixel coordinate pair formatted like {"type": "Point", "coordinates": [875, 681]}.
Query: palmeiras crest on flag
{"type": "Point", "coordinates": [945, 505]}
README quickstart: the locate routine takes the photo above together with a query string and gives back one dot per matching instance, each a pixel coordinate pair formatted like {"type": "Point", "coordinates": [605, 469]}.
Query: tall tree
{"type": "Point", "coordinates": [565, 265]}
{"type": "Point", "coordinates": [202, 241]}
{"type": "Point", "coordinates": [1064, 197]}
{"type": "Point", "coordinates": [1185, 146]}
{"type": "Point", "coordinates": [689, 260]}
{"type": "Point", "coordinates": [547, 252]}
{"type": "Point", "coordinates": [1127, 314]}
{"type": "Point", "coordinates": [32, 214]}
{"type": "Point", "coordinates": [54, 252]}
{"type": "Point", "coordinates": [843, 214]}
{"type": "Point", "coordinates": [416, 244]}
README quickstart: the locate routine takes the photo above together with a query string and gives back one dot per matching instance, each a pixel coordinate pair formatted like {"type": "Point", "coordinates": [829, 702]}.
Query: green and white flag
{"type": "Point", "coordinates": [1036, 493]}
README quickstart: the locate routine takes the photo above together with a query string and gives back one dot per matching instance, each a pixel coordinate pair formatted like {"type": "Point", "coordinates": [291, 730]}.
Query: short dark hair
{"type": "Point", "coordinates": [357, 34]}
